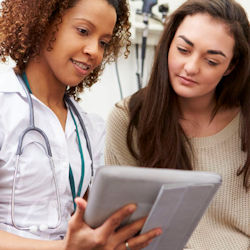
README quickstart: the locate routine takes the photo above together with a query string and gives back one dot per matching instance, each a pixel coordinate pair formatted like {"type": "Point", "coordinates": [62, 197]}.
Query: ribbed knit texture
{"type": "Point", "coordinates": [226, 223]}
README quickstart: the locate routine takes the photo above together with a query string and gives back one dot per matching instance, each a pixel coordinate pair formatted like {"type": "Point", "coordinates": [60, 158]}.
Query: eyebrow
{"type": "Point", "coordinates": [108, 35]}
{"type": "Point", "coordinates": [186, 40]}
{"type": "Point", "coordinates": [216, 52]}
{"type": "Point", "coordinates": [212, 52]}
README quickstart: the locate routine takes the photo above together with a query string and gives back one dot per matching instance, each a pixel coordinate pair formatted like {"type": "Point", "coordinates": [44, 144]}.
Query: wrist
{"type": "Point", "coordinates": [61, 244]}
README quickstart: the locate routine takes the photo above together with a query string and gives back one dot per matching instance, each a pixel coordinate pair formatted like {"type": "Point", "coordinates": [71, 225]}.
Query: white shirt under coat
{"type": "Point", "coordinates": [35, 197]}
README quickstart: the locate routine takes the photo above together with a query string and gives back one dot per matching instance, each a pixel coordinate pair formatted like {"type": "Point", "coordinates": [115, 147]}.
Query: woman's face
{"type": "Point", "coordinates": [199, 56]}
{"type": "Point", "coordinates": [80, 41]}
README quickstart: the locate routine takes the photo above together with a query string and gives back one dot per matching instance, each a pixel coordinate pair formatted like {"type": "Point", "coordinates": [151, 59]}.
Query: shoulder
{"type": "Point", "coordinates": [95, 125]}
{"type": "Point", "coordinates": [12, 95]}
{"type": "Point", "coordinates": [118, 121]}
{"type": "Point", "coordinates": [123, 104]}
{"type": "Point", "coordinates": [88, 117]}
{"type": "Point", "coordinates": [120, 112]}
{"type": "Point", "coordinates": [9, 81]}
{"type": "Point", "coordinates": [116, 150]}
{"type": "Point", "coordinates": [7, 74]}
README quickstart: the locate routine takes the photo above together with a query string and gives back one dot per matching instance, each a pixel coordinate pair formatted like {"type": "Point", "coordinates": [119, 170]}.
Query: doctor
{"type": "Point", "coordinates": [49, 147]}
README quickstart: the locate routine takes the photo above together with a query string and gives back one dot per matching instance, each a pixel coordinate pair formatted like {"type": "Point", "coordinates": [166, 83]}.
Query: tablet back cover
{"type": "Point", "coordinates": [173, 199]}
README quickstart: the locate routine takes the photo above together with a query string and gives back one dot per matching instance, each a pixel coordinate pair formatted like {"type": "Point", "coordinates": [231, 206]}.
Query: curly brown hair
{"type": "Point", "coordinates": [24, 24]}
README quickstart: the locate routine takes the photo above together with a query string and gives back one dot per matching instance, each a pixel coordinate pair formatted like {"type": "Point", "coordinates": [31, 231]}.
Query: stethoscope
{"type": "Point", "coordinates": [34, 228]}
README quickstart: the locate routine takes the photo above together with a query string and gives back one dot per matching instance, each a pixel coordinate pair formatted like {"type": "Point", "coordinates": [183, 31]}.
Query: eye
{"type": "Point", "coordinates": [82, 31]}
{"type": "Point", "coordinates": [211, 62]}
{"type": "Point", "coordinates": [182, 50]}
{"type": "Point", "coordinates": [104, 44]}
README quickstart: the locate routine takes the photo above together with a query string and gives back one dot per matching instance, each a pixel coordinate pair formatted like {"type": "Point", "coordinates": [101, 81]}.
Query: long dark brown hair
{"type": "Point", "coordinates": [25, 23]}
{"type": "Point", "coordinates": [154, 111]}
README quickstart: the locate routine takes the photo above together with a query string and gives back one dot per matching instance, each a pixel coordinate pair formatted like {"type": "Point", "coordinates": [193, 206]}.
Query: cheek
{"type": "Point", "coordinates": [53, 59]}
{"type": "Point", "coordinates": [173, 61]}
{"type": "Point", "coordinates": [172, 65]}
{"type": "Point", "coordinates": [213, 78]}
{"type": "Point", "coordinates": [100, 58]}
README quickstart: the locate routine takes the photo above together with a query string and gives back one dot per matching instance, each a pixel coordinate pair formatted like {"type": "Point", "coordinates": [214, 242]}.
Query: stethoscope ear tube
{"type": "Point", "coordinates": [42, 227]}
{"type": "Point", "coordinates": [32, 120]}
{"type": "Point", "coordinates": [39, 131]}
{"type": "Point", "coordinates": [70, 103]}
{"type": "Point", "coordinates": [32, 127]}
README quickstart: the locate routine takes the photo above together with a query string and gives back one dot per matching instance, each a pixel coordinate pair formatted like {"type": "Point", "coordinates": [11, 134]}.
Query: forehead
{"type": "Point", "coordinates": [203, 28]}
{"type": "Point", "coordinates": [98, 12]}
{"type": "Point", "coordinates": [95, 5]}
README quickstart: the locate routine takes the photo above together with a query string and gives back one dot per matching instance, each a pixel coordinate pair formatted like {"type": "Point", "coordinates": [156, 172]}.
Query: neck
{"type": "Point", "coordinates": [44, 85]}
{"type": "Point", "coordinates": [197, 119]}
{"type": "Point", "coordinates": [197, 109]}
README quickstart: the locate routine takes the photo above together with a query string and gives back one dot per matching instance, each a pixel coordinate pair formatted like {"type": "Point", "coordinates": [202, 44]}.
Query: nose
{"type": "Point", "coordinates": [192, 65]}
{"type": "Point", "coordinates": [92, 49]}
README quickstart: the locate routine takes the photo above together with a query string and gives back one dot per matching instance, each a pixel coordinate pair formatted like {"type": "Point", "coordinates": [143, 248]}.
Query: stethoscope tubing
{"type": "Point", "coordinates": [48, 151]}
{"type": "Point", "coordinates": [72, 106]}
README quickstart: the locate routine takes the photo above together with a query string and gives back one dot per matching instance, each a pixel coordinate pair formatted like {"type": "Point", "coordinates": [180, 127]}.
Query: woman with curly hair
{"type": "Point", "coordinates": [59, 47]}
{"type": "Point", "coordinates": [194, 114]}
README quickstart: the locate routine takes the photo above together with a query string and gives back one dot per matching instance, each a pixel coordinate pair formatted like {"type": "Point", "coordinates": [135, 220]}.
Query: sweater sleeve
{"type": "Point", "coordinates": [116, 149]}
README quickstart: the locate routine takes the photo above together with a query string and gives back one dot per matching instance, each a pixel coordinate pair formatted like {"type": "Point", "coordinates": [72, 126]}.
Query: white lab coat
{"type": "Point", "coordinates": [35, 197]}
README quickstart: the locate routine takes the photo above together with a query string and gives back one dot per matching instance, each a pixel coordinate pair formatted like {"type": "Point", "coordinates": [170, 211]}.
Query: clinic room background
{"type": "Point", "coordinates": [120, 79]}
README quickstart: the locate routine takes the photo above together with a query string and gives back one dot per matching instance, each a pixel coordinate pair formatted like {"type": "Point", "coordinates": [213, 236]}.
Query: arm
{"type": "Point", "coordinates": [81, 237]}
{"type": "Point", "coordinates": [106, 237]}
{"type": "Point", "coordinates": [10, 241]}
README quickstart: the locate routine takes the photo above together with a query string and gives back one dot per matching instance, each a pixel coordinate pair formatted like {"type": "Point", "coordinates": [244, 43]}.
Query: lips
{"type": "Point", "coordinates": [186, 80]}
{"type": "Point", "coordinates": [81, 65]}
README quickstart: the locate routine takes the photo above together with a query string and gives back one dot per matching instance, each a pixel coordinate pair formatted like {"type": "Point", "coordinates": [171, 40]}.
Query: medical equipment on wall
{"type": "Point", "coordinates": [47, 149]}
{"type": "Point", "coordinates": [147, 13]}
{"type": "Point", "coordinates": [163, 9]}
{"type": "Point", "coordinates": [146, 10]}
{"type": "Point", "coordinates": [148, 18]}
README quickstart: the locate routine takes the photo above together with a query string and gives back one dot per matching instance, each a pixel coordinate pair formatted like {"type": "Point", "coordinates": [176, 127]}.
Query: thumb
{"type": "Point", "coordinates": [81, 205]}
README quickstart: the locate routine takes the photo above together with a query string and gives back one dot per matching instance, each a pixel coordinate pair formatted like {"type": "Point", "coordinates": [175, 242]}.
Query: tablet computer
{"type": "Point", "coordinates": [172, 199]}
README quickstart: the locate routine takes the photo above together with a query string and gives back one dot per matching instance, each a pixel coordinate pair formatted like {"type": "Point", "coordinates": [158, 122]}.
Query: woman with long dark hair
{"type": "Point", "coordinates": [194, 114]}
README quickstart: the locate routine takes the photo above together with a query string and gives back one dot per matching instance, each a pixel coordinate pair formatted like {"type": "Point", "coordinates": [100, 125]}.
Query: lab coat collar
{"type": "Point", "coordinates": [9, 82]}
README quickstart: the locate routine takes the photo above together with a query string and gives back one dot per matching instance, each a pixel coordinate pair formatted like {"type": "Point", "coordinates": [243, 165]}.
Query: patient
{"type": "Point", "coordinates": [194, 114]}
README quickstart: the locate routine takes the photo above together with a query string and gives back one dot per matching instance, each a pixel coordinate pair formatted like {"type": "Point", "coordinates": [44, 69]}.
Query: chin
{"type": "Point", "coordinates": [185, 95]}
{"type": "Point", "coordinates": [75, 82]}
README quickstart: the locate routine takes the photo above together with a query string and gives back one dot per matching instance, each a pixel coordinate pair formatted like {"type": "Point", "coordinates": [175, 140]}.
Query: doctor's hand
{"type": "Point", "coordinates": [106, 237]}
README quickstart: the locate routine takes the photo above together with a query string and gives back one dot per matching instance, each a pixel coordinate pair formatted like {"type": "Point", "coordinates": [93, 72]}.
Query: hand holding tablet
{"type": "Point", "coordinates": [174, 200]}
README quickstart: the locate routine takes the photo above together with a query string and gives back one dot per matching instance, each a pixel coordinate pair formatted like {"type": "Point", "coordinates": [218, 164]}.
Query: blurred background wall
{"type": "Point", "coordinates": [102, 96]}
{"type": "Point", "coordinates": [106, 92]}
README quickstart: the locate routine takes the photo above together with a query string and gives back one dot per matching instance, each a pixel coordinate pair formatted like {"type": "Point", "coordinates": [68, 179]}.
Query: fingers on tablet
{"type": "Point", "coordinates": [114, 221]}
